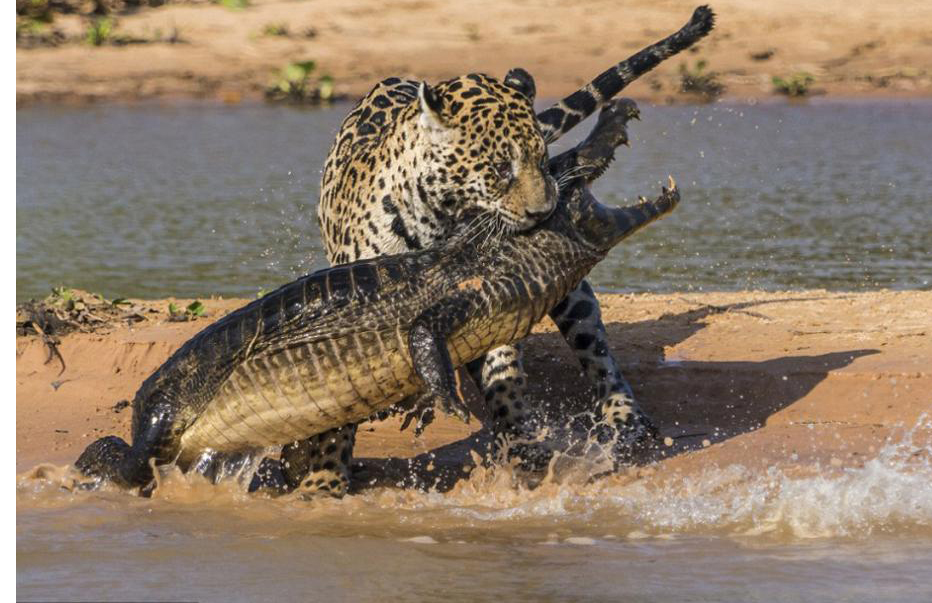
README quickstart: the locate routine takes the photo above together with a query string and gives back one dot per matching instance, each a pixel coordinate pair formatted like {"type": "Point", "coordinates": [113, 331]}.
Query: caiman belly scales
{"type": "Point", "coordinates": [321, 379]}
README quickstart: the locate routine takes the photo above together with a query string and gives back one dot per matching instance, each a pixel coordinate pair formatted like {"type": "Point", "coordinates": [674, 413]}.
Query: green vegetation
{"type": "Point", "coordinates": [38, 35]}
{"type": "Point", "coordinates": [325, 88]}
{"type": "Point", "coordinates": [35, 10]}
{"type": "Point", "coordinates": [293, 84]}
{"type": "Point", "coordinates": [27, 26]}
{"type": "Point", "coordinates": [233, 4]}
{"type": "Point", "coordinates": [276, 29]}
{"type": "Point", "coordinates": [100, 31]}
{"type": "Point", "coordinates": [797, 85]}
{"type": "Point", "coordinates": [60, 295]}
{"type": "Point", "coordinates": [700, 82]}
{"type": "Point", "coordinates": [70, 300]}
{"type": "Point", "coordinates": [66, 310]}
{"type": "Point", "coordinates": [191, 311]}
{"type": "Point", "coordinates": [34, 25]}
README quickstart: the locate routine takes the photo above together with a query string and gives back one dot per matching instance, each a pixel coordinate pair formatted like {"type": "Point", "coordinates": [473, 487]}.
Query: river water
{"type": "Point", "coordinates": [724, 534]}
{"type": "Point", "coordinates": [195, 200]}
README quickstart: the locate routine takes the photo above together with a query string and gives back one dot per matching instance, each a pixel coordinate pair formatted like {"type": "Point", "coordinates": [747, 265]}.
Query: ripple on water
{"type": "Point", "coordinates": [774, 197]}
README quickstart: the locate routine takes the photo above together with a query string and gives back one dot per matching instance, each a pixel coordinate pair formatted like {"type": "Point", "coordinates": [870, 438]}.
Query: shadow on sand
{"type": "Point", "coordinates": [689, 401]}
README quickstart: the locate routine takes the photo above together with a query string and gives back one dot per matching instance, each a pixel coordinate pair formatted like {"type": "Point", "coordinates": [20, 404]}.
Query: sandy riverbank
{"type": "Point", "coordinates": [761, 379]}
{"type": "Point", "coordinates": [853, 48]}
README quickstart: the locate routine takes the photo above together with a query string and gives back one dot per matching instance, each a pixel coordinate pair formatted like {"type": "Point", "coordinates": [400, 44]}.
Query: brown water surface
{"type": "Point", "coordinates": [793, 533]}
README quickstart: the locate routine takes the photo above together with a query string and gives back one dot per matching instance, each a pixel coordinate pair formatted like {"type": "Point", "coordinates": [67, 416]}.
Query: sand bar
{"type": "Point", "coordinates": [750, 377]}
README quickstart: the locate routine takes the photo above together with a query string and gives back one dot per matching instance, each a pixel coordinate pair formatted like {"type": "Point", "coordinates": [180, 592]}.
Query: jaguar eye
{"type": "Point", "coordinates": [503, 170]}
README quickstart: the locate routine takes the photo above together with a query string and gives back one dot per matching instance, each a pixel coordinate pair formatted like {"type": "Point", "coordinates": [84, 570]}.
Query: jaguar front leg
{"type": "Point", "coordinates": [617, 420]}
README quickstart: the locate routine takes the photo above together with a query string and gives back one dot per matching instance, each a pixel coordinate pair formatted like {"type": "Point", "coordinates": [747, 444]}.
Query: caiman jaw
{"type": "Point", "coordinates": [629, 220]}
{"type": "Point", "coordinates": [604, 227]}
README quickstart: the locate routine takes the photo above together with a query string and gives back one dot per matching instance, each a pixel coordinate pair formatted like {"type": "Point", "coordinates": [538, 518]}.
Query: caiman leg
{"type": "Point", "coordinates": [111, 458]}
{"type": "Point", "coordinates": [431, 360]}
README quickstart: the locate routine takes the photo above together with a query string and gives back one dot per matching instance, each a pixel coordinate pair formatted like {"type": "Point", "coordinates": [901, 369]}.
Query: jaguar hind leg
{"type": "Point", "coordinates": [318, 465]}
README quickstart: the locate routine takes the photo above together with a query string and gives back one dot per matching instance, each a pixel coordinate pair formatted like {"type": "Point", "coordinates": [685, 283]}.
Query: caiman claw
{"type": "Point", "coordinates": [455, 407]}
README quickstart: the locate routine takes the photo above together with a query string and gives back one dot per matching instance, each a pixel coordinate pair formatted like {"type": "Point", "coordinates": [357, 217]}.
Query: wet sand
{"type": "Point", "coordinates": [796, 380]}
{"type": "Point", "coordinates": [853, 48]}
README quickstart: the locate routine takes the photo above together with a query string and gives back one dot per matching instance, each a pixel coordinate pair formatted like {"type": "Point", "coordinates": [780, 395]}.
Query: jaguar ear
{"type": "Point", "coordinates": [431, 106]}
{"type": "Point", "coordinates": [522, 81]}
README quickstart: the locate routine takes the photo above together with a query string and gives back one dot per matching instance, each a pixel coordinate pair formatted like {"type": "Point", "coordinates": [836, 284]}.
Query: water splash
{"type": "Point", "coordinates": [889, 494]}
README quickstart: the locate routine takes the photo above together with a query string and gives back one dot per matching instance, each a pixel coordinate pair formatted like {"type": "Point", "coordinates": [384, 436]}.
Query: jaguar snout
{"type": "Point", "coordinates": [541, 214]}
{"type": "Point", "coordinates": [546, 205]}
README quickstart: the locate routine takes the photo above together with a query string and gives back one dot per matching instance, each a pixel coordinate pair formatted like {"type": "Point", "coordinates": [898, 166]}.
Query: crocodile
{"type": "Point", "coordinates": [338, 345]}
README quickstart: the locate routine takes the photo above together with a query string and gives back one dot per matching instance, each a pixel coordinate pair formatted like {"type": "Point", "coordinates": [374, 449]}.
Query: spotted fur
{"type": "Point", "coordinates": [410, 160]}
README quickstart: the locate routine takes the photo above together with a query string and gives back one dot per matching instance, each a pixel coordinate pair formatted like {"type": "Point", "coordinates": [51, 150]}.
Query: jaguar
{"type": "Point", "coordinates": [410, 160]}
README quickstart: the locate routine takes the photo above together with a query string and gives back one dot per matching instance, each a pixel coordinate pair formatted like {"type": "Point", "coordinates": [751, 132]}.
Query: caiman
{"type": "Point", "coordinates": [343, 343]}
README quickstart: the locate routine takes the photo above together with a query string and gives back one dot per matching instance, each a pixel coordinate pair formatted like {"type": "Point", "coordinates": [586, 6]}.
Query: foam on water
{"type": "Point", "coordinates": [890, 494]}
{"type": "Point", "coordinates": [887, 494]}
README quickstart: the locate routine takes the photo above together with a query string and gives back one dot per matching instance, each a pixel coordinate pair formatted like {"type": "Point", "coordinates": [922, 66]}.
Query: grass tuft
{"type": "Point", "coordinates": [797, 85]}
{"type": "Point", "coordinates": [698, 81]}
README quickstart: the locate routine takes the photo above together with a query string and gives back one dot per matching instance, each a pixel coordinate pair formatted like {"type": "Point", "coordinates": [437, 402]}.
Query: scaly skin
{"type": "Point", "coordinates": [334, 347]}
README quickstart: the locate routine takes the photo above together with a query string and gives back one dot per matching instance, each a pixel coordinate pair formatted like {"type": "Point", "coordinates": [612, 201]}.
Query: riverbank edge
{"type": "Point", "coordinates": [207, 52]}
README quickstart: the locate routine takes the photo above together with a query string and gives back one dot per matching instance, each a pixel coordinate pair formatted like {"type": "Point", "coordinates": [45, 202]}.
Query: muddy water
{"type": "Point", "coordinates": [193, 201]}
{"type": "Point", "coordinates": [792, 533]}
